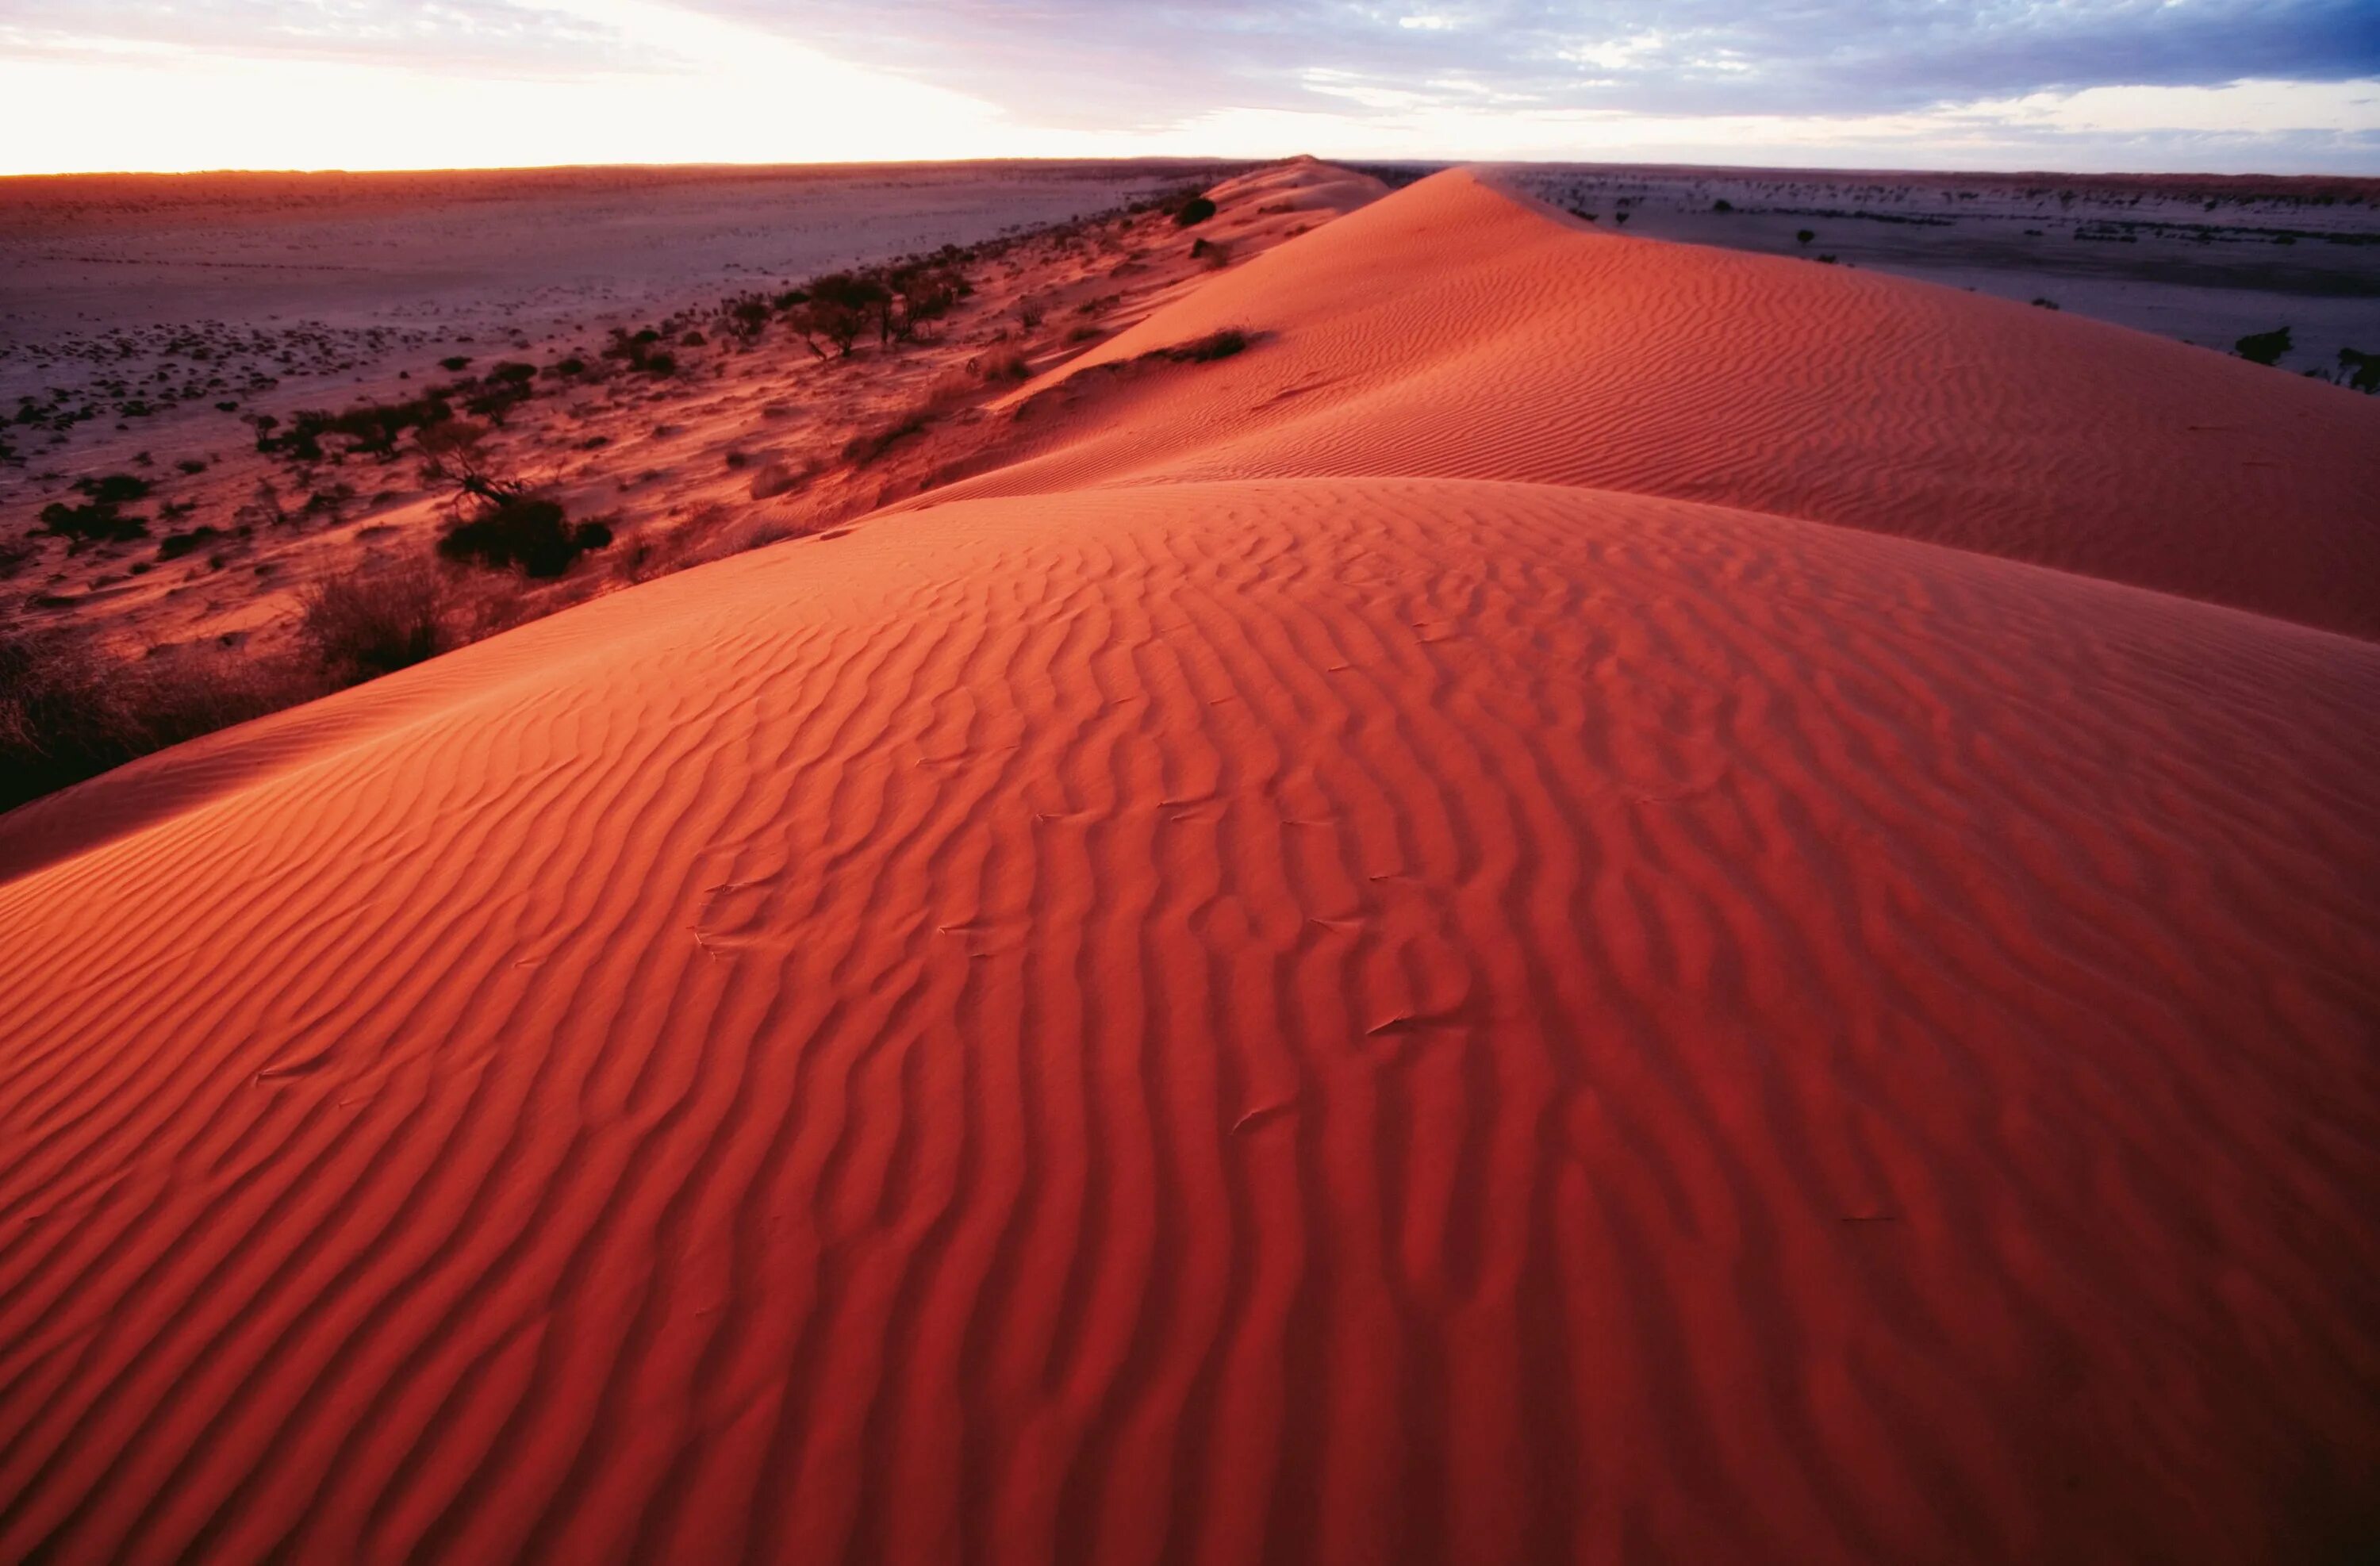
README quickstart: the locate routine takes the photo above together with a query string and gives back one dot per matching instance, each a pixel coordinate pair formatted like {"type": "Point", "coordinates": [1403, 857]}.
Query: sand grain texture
{"type": "Point", "coordinates": [1421, 1002]}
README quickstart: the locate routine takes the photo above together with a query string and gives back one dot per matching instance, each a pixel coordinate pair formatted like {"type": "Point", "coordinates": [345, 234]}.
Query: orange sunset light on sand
{"type": "Point", "coordinates": [1203, 782]}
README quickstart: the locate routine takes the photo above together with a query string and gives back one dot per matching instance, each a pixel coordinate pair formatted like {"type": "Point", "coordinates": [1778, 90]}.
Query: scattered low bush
{"type": "Point", "coordinates": [99, 519]}
{"type": "Point", "coordinates": [2263, 348]}
{"type": "Point", "coordinates": [526, 533]}
{"type": "Point", "coordinates": [1223, 344]}
{"type": "Point", "coordinates": [1009, 366]}
{"type": "Point", "coordinates": [776, 478]}
{"type": "Point", "coordinates": [870, 446]}
{"type": "Point", "coordinates": [69, 711]}
{"type": "Point", "coordinates": [376, 619]}
{"type": "Point", "coordinates": [1193, 211]}
{"type": "Point", "coordinates": [173, 546]}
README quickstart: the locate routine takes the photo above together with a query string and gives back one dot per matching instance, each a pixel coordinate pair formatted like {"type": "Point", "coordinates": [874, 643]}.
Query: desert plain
{"type": "Point", "coordinates": [1306, 864]}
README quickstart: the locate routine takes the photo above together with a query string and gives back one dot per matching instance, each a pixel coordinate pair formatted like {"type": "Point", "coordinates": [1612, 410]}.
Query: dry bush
{"type": "Point", "coordinates": [776, 478]}
{"type": "Point", "coordinates": [870, 446]}
{"type": "Point", "coordinates": [69, 711]}
{"type": "Point", "coordinates": [377, 619]}
{"type": "Point", "coordinates": [951, 388]}
{"type": "Point", "coordinates": [1010, 366]}
{"type": "Point", "coordinates": [1223, 344]}
{"type": "Point", "coordinates": [528, 534]}
{"type": "Point", "coordinates": [62, 717]}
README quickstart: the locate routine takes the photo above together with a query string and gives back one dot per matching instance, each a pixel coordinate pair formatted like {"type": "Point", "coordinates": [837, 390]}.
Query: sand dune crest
{"type": "Point", "coordinates": [1448, 1003]}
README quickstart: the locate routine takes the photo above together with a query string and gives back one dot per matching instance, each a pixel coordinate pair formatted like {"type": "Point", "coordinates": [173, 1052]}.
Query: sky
{"type": "Point", "coordinates": [2227, 86]}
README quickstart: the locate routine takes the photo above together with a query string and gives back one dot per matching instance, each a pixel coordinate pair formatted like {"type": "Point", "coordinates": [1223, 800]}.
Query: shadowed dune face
{"type": "Point", "coordinates": [1318, 1019]}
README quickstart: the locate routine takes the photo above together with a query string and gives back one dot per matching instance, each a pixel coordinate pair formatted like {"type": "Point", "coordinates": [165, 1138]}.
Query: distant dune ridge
{"type": "Point", "coordinates": [1459, 937]}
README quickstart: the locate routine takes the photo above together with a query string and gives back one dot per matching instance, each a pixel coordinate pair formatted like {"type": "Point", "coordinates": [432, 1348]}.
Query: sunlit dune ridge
{"type": "Point", "coordinates": [1603, 901]}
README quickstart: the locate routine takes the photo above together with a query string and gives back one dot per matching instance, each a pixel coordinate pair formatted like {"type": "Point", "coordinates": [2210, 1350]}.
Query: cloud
{"type": "Point", "coordinates": [1167, 60]}
{"type": "Point", "coordinates": [2245, 84]}
{"type": "Point", "coordinates": [472, 35]}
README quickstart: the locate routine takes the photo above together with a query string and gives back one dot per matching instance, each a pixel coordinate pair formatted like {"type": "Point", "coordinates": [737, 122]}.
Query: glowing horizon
{"type": "Point", "coordinates": [289, 85]}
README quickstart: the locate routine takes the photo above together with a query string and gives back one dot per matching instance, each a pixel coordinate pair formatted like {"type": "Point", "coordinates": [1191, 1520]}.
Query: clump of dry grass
{"type": "Point", "coordinates": [377, 619]}
{"type": "Point", "coordinates": [778, 478]}
{"type": "Point", "coordinates": [870, 445]}
{"type": "Point", "coordinates": [70, 711]}
{"type": "Point", "coordinates": [1005, 368]}
{"type": "Point", "coordinates": [1221, 343]}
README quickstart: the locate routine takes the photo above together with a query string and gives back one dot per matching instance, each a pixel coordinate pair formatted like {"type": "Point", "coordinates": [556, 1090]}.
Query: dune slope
{"type": "Point", "coordinates": [1311, 1018]}
{"type": "Point", "coordinates": [1459, 331]}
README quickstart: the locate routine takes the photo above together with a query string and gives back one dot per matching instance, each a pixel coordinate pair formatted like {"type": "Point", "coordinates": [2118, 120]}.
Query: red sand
{"type": "Point", "coordinates": [1353, 994]}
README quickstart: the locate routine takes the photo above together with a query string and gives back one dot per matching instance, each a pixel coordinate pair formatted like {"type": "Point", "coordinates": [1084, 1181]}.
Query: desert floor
{"type": "Point", "coordinates": [1600, 899]}
{"type": "Point", "coordinates": [2205, 259]}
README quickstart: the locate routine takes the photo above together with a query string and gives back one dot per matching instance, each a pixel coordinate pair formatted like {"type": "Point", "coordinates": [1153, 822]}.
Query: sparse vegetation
{"type": "Point", "coordinates": [99, 519]}
{"type": "Point", "coordinates": [173, 546]}
{"type": "Point", "coordinates": [376, 619]}
{"type": "Point", "coordinates": [501, 522]}
{"type": "Point", "coordinates": [525, 533]}
{"type": "Point", "coordinates": [870, 446]}
{"type": "Point", "coordinates": [68, 712]}
{"type": "Point", "coordinates": [2263, 348]}
{"type": "Point", "coordinates": [1009, 366]}
{"type": "Point", "coordinates": [1193, 211]}
{"type": "Point", "coordinates": [1222, 344]}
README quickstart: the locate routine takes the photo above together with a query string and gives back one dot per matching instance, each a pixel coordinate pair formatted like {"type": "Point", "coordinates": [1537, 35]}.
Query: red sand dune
{"type": "Point", "coordinates": [1426, 1011]}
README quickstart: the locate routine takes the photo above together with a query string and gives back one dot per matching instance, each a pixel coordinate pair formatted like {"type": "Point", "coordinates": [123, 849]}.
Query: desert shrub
{"type": "Point", "coordinates": [371, 427]}
{"type": "Point", "coordinates": [94, 522]}
{"type": "Point", "coordinates": [638, 351]}
{"type": "Point", "coordinates": [2263, 348]}
{"type": "Point", "coordinates": [870, 446]}
{"type": "Point", "coordinates": [776, 478]}
{"type": "Point", "coordinates": [1805, 235]}
{"type": "Point", "coordinates": [1007, 367]}
{"type": "Point", "coordinates": [839, 307]}
{"type": "Point", "coordinates": [117, 488]}
{"type": "Point", "coordinates": [62, 717]}
{"type": "Point", "coordinates": [572, 366]}
{"type": "Point", "coordinates": [191, 465]}
{"type": "Point", "coordinates": [456, 362]}
{"type": "Point", "coordinates": [173, 546]}
{"type": "Point", "coordinates": [2043, 301]}
{"type": "Point", "coordinates": [2361, 371]}
{"type": "Point", "coordinates": [376, 619]}
{"type": "Point", "coordinates": [1193, 211]}
{"type": "Point", "coordinates": [68, 712]}
{"type": "Point", "coordinates": [1217, 345]}
{"type": "Point", "coordinates": [527, 533]}
{"type": "Point", "coordinates": [747, 317]}
{"type": "Point", "coordinates": [925, 293]}
{"type": "Point", "coordinates": [1722, 205]}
